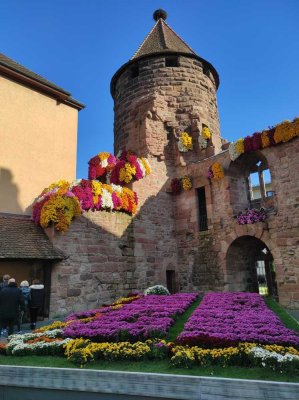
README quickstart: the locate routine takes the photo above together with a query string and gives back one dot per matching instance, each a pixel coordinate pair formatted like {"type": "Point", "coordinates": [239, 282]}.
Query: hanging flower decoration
{"type": "Point", "coordinates": [181, 184]}
{"type": "Point", "coordinates": [60, 208]}
{"type": "Point", "coordinates": [62, 201]}
{"type": "Point", "coordinates": [206, 133]}
{"type": "Point", "coordinates": [185, 142]}
{"type": "Point", "coordinates": [100, 165]}
{"type": "Point", "coordinates": [281, 133]}
{"type": "Point", "coordinates": [124, 168]}
{"type": "Point", "coordinates": [250, 216]}
{"type": "Point", "coordinates": [204, 137]}
{"type": "Point", "coordinates": [186, 183]}
{"type": "Point", "coordinates": [216, 171]}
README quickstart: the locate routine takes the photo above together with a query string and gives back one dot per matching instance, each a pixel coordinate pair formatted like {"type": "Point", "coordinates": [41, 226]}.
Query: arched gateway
{"type": "Point", "coordinates": [250, 266]}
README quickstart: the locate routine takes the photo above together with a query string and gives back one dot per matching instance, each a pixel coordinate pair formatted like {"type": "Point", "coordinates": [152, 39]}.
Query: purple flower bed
{"type": "Point", "coordinates": [148, 317]}
{"type": "Point", "coordinates": [229, 318]}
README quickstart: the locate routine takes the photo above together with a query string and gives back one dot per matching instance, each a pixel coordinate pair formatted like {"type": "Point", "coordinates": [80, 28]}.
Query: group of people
{"type": "Point", "coordinates": [15, 302]}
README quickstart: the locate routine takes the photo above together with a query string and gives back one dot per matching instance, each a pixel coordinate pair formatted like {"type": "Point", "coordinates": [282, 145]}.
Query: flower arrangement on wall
{"type": "Point", "coordinates": [62, 201]}
{"type": "Point", "coordinates": [250, 216]}
{"type": "Point", "coordinates": [99, 165]}
{"type": "Point", "coordinates": [216, 171]}
{"type": "Point", "coordinates": [185, 142]}
{"type": "Point", "coordinates": [181, 184]}
{"type": "Point", "coordinates": [204, 137]}
{"type": "Point", "coordinates": [124, 168]}
{"type": "Point", "coordinates": [281, 133]}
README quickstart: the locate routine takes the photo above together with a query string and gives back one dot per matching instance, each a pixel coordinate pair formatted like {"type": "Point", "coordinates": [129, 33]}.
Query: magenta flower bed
{"type": "Point", "coordinates": [229, 318]}
{"type": "Point", "coordinates": [148, 317]}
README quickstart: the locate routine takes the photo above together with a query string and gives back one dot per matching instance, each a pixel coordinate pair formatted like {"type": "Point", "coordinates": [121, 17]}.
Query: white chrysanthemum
{"type": "Point", "coordinates": [264, 355]}
{"type": "Point", "coordinates": [116, 188]}
{"type": "Point", "coordinates": [104, 163]}
{"type": "Point", "coordinates": [76, 182]}
{"type": "Point", "coordinates": [203, 143]}
{"type": "Point", "coordinates": [142, 167]}
{"type": "Point", "coordinates": [107, 199]}
{"type": "Point", "coordinates": [181, 147]}
{"type": "Point", "coordinates": [148, 165]}
{"type": "Point", "coordinates": [157, 289]}
{"type": "Point", "coordinates": [232, 151]}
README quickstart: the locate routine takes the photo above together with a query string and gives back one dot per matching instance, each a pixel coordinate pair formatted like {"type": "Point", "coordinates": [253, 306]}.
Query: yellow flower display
{"type": "Point", "coordinates": [217, 171]}
{"type": "Point", "coordinates": [265, 139]}
{"type": "Point", "coordinates": [206, 133]}
{"type": "Point", "coordinates": [60, 210]}
{"type": "Point", "coordinates": [185, 142]}
{"type": "Point", "coordinates": [186, 183]}
{"type": "Point", "coordinates": [127, 173]}
{"type": "Point", "coordinates": [103, 155]}
{"type": "Point", "coordinates": [240, 146]}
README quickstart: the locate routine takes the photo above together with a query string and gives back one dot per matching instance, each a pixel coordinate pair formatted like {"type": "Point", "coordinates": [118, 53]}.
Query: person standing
{"type": "Point", "coordinates": [25, 290]}
{"type": "Point", "coordinates": [4, 282]}
{"type": "Point", "coordinates": [36, 301]}
{"type": "Point", "coordinates": [11, 302]}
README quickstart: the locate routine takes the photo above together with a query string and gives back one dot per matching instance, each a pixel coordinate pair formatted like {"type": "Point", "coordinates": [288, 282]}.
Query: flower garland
{"type": "Point", "coordinates": [124, 168]}
{"type": "Point", "coordinates": [62, 202]}
{"type": "Point", "coordinates": [185, 142]}
{"type": "Point", "coordinates": [281, 133]}
{"type": "Point", "coordinates": [216, 171]}
{"type": "Point", "coordinates": [250, 216]}
{"type": "Point", "coordinates": [181, 184]}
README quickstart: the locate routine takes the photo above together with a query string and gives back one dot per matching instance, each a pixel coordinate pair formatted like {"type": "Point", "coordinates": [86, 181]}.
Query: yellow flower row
{"type": "Point", "coordinates": [188, 356]}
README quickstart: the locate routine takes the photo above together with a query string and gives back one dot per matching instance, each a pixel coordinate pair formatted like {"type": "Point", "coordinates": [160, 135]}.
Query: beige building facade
{"type": "Point", "coordinates": [38, 136]}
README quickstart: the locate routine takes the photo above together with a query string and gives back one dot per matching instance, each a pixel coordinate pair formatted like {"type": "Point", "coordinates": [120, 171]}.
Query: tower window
{"type": "Point", "coordinates": [202, 209]}
{"type": "Point", "coordinates": [206, 70]}
{"type": "Point", "coordinates": [134, 71]}
{"type": "Point", "coordinates": [171, 62]}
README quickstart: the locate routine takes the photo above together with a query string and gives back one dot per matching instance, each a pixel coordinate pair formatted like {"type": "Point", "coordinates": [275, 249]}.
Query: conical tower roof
{"type": "Point", "coordinates": [162, 40]}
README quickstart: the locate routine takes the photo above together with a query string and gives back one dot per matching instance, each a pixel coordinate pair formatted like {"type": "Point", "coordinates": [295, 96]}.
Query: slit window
{"type": "Point", "coordinates": [134, 71]}
{"type": "Point", "coordinates": [171, 62]}
{"type": "Point", "coordinates": [202, 209]}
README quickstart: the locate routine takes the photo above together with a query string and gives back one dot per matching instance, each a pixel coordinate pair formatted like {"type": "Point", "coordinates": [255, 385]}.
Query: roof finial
{"type": "Point", "coordinates": [160, 14]}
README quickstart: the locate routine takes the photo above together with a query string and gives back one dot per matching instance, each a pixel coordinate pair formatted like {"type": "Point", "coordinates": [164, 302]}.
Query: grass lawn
{"type": "Point", "coordinates": [163, 366]}
{"type": "Point", "coordinates": [286, 318]}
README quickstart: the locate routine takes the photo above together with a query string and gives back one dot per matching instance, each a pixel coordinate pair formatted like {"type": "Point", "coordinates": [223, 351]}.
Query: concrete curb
{"type": "Point", "coordinates": [164, 386]}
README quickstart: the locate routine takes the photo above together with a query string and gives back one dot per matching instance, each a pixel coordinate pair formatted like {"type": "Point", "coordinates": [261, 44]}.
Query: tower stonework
{"type": "Point", "coordinates": [165, 75]}
{"type": "Point", "coordinates": [188, 240]}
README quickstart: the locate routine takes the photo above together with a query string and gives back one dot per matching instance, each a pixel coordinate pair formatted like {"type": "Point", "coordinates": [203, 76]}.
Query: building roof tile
{"type": "Point", "coordinates": [21, 238]}
{"type": "Point", "coordinates": [162, 39]}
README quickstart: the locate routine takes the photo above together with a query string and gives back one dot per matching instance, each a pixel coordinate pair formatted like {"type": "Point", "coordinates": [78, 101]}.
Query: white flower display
{"type": "Point", "coordinates": [232, 151]}
{"type": "Point", "coordinates": [18, 343]}
{"type": "Point", "coordinates": [107, 201]}
{"type": "Point", "coordinates": [157, 289]}
{"type": "Point", "coordinates": [203, 142]}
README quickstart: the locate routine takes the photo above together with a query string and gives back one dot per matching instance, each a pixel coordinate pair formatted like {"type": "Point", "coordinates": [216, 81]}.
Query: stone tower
{"type": "Point", "coordinates": [165, 89]}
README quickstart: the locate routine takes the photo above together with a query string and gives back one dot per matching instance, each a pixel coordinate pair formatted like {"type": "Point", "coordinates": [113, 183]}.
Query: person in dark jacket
{"type": "Point", "coordinates": [36, 301]}
{"type": "Point", "coordinates": [4, 282]}
{"type": "Point", "coordinates": [11, 301]}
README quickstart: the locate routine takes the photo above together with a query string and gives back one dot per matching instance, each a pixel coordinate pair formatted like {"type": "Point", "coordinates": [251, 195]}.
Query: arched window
{"type": "Point", "coordinates": [250, 181]}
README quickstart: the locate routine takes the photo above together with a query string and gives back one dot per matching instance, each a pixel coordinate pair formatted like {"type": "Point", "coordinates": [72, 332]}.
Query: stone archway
{"type": "Point", "coordinates": [249, 266]}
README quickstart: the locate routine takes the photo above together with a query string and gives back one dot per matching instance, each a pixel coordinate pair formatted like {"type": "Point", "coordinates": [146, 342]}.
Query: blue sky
{"type": "Point", "coordinates": [79, 45]}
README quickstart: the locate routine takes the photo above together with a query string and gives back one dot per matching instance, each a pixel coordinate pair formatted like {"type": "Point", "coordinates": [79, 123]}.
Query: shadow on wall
{"type": "Point", "coordinates": [9, 193]}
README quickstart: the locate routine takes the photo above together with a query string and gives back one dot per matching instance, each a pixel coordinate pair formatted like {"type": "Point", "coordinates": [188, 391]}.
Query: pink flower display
{"type": "Point", "coordinates": [250, 216]}
{"type": "Point", "coordinates": [224, 319]}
